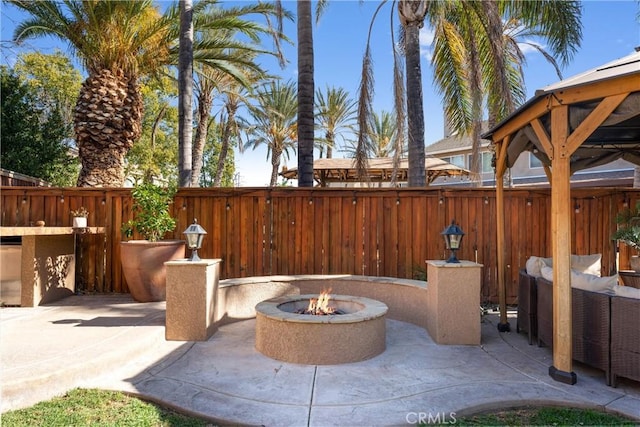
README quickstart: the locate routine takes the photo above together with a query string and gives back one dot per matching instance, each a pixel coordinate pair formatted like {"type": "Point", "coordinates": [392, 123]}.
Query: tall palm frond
{"type": "Point", "coordinates": [365, 105]}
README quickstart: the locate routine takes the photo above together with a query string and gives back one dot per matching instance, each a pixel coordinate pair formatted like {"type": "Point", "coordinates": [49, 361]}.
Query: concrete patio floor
{"type": "Point", "coordinates": [109, 341]}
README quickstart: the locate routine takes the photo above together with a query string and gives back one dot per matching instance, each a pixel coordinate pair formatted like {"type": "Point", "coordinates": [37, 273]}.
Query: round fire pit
{"type": "Point", "coordinates": [356, 335]}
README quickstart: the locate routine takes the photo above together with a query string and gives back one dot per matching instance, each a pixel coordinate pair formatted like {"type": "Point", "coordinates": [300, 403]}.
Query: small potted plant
{"type": "Point", "coordinates": [80, 216]}
{"type": "Point", "coordinates": [628, 232]}
{"type": "Point", "coordinates": [143, 260]}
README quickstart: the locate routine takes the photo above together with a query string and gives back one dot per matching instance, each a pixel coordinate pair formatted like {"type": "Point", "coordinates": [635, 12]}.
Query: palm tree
{"type": "Point", "coordinates": [210, 82]}
{"type": "Point", "coordinates": [108, 113]}
{"type": "Point", "coordinates": [477, 57]}
{"type": "Point", "coordinates": [212, 78]}
{"type": "Point", "coordinates": [480, 65]}
{"type": "Point", "coordinates": [234, 97]}
{"type": "Point", "coordinates": [383, 134]}
{"type": "Point", "coordinates": [118, 42]}
{"type": "Point", "coordinates": [305, 94]}
{"type": "Point", "coordinates": [336, 113]}
{"type": "Point", "coordinates": [275, 122]}
{"type": "Point", "coordinates": [306, 90]}
{"type": "Point", "coordinates": [185, 93]}
{"type": "Point", "coordinates": [412, 14]}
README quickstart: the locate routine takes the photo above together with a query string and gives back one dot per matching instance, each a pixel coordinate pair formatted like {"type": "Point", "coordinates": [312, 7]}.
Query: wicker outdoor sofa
{"type": "Point", "coordinates": [605, 327]}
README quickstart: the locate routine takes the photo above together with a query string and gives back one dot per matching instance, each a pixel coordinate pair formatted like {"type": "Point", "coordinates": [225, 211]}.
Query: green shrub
{"type": "Point", "coordinates": [151, 212]}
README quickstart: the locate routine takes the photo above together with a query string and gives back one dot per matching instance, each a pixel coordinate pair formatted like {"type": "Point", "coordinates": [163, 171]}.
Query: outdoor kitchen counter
{"type": "Point", "coordinates": [47, 261]}
{"type": "Point", "coordinates": [46, 231]}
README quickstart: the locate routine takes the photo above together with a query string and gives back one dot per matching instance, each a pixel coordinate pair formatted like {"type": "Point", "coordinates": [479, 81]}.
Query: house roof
{"type": "Point", "coordinates": [455, 143]}
{"type": "Point", "coordinates": [379, 170]}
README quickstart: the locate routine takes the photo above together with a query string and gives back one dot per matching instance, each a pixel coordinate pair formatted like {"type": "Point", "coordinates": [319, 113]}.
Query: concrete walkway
{"type": "Point", "coordinates": [112, 342]}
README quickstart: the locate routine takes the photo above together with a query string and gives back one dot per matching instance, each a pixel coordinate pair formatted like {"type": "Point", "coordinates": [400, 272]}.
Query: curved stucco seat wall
{"type": "Point", "coordinates": [405, 298]}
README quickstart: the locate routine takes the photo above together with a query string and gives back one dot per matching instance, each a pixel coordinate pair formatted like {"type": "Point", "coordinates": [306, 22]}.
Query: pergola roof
{"type": "Point", "coordinates": [379, 170]}
{"type": "Point", "coordinates": [618, 136]}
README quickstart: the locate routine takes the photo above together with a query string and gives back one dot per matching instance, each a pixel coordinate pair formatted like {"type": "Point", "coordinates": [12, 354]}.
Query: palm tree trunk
{"type": "Point", "coordinates": [636, 177]}
{"type": "Point", "coordinates": [275, 165]}
{"type": "Point", "coordinates": [330, 137]}
{"type": "Point", "coordinates": [185, 92]}
{"type": "Point", "coordinates": [224, 146]}
{"type": "Point", "coordinates": [305, 94]}
{"type": "Point", "coordinates": [107, 120]}
{"type": "Point", "coordinates": [204, 106]}
{"type": "Point", "coordinates": [415, 113]}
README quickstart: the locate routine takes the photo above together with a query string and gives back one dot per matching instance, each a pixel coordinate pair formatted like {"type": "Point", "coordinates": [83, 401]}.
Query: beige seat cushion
{"type": "Point", "coordinates": [627, 291]}
{"type": "Point", "coordinates": [585, 281]}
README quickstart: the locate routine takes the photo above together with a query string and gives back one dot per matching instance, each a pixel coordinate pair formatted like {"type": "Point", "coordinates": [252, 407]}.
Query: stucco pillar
{"type": "Point", "coordinates": [453, 302]}
{"type": "Point", "coordinates": [191, 299]}
{"type": "Point", "coordinates": [48, 268]}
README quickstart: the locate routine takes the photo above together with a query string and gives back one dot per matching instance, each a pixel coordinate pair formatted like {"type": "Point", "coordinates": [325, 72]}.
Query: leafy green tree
{"type": "Point", "coordinates": [154, 157]}
{"type": "Point", "coordinates": [54, 80]}
{"type": "Point", "coordinates": [274, 122]}
{"type": "Point", "coordinates": [33, 139]}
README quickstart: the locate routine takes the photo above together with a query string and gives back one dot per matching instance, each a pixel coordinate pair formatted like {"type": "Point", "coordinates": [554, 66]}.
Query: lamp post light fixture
{"type": "Point", "coordinates": [195, 235]}
{"type": "Point", "coordinates": [452, 240]}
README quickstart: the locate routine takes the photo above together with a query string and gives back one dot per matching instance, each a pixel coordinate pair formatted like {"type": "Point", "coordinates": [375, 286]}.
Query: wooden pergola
{"type": "Point", "coordinates": [587, 120]}
{"type": "Point", "coordinates": [340, 170]}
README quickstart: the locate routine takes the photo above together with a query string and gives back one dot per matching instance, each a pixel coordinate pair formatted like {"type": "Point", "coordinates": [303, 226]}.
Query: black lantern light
{"type": "Point", "coordinates": [195, 235]}
{"type": "Point", "coordinates": [452, 239]}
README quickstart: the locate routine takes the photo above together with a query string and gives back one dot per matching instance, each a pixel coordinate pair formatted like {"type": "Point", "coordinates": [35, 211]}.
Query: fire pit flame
{"type": "Point", "coordinates": [320, 306]}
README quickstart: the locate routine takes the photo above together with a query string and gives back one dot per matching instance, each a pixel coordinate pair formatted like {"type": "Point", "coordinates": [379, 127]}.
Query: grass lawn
{"type": "Point", "coordinates": [90, 407]}
{"type": "Point", "coordinates": [549, 416]}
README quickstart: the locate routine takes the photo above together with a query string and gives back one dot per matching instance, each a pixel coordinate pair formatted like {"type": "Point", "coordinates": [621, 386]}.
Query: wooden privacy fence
{"type": "Point", "coordinates": [377, 232]}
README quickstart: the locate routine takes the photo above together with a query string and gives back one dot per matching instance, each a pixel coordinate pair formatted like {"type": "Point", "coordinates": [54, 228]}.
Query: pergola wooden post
{"type": "Point", "coordinates": [501, 167]}
{"type": "Point", "coordinates": [561, 370]}
{"type": "Point", "coordinates": [576, 124]}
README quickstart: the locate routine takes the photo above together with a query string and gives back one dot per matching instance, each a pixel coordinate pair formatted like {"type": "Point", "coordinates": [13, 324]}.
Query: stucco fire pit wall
{"type": "Point", "coordinates": [320, 340]}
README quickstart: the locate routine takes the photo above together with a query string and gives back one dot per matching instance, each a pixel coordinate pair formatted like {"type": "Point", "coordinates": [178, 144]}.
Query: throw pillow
{"type": "Point", "coordinates": [589, 264]}
{"type": "Point", "coordinates": [535, 263]}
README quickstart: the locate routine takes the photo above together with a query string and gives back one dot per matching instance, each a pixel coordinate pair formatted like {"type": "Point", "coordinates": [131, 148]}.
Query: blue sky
{"type": "Point", "coordinates": [610, 31]}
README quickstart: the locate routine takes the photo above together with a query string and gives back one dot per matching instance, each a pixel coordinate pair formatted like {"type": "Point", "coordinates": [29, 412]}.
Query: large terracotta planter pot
{"type": "Point", "coordinates": [143, 266]}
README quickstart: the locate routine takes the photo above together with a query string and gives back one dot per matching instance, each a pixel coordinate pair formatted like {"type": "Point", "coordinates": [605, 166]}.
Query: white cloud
{"type": "Point", "coordinates": [426, 40]}
{"type": "Point", "coordinates": [426, 36]}
{"type": "Point", "coordinates": [527, 47]}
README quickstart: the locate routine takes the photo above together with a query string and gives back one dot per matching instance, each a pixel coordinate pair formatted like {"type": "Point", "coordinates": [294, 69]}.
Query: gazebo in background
{"type": "Point", "coordinates": [590, 119]}
{"type": "Point", "coordinates": [379, 170]}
